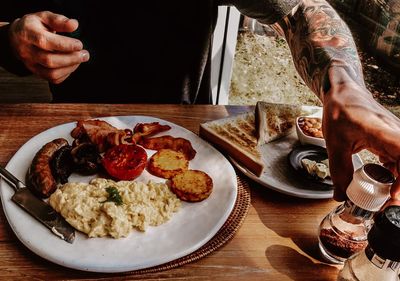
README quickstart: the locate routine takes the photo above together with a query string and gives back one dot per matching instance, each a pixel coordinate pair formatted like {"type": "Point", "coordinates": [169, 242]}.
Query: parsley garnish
{"type": "Point", "coordinates": [113, 196]}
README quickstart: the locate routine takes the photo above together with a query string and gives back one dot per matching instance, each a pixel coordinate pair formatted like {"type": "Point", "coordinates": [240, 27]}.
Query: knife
{"type": "Point", "coordinates": [39, 209]}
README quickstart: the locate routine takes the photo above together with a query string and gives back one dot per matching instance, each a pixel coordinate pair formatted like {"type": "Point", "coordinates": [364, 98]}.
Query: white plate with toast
{"type": "Point", "coordinates": [188, 229]}
{"type": "Point", "coordinates": [278, 175]}
{"type": "Point", "coordinates": [267, 163]}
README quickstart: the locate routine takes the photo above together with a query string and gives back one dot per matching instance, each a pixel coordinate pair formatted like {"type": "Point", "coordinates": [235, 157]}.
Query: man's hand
{"type": "Point", "coordinates": [353, 121]}
{"type": "Point", "coordinates": [44, 52]}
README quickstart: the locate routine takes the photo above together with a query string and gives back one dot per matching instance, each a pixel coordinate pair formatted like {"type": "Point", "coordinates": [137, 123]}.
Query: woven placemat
{"type": "Point", "coordinates": [226, 232]}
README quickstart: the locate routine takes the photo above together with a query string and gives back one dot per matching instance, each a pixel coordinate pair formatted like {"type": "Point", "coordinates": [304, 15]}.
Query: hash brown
{"type": "Point", "coordinates": [167, 163]}
{"type": "Point", "coordinates": [192, 185]}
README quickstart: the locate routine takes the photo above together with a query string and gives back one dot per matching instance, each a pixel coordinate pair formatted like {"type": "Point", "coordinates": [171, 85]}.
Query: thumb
{"type": "Point", "coordinates": [58, 23]}
{"type": "Point", "coordinates": [341, 168]}
{"type": "Point", "coordinates": [394, 193]}
{"type": "Point", "coordinates": [395, 189]}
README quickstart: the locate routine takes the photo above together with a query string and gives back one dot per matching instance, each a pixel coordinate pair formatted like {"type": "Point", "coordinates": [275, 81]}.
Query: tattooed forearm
{"type": "Point", "coordinates": [319, 39]}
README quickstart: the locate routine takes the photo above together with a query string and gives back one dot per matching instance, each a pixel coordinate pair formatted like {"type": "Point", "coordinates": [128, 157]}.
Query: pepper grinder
{"type": "Point", "coordinates": [343, 232]}
{"type": "Point", "coordinates": [381, 259]}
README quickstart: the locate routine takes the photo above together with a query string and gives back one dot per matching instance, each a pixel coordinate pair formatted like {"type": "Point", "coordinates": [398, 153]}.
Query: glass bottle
{"type": "Point", "coordinates": [380, 261]}
{"type": "Point", "coordinates": [343, 232]}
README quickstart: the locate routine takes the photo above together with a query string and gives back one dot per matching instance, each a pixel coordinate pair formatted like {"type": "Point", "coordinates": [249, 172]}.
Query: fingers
{"type": "Point", "coordinates": [38, 30]}
{"type": "Point", "coordinates": [391, 202]}
{"type": "Point", "coordinates": [61, 79]}
{"type": "Point", "coordinates": [51, 41]}
{"type": "Point", "coordinates": [59, 60]}
{"type": "Point", "coordinates": [341, 168]}
{"type": "Point", "coordinates": [47, 54]}
{"type": "Point", "coordinates": [54, 42]}
{"type": "Point", "coordinates": [392, 167]}
{"type": "Point", "coordinates": [54, 66]}
{"type": "Point", "coordinates": [395, 189]}
{"type": "Point", "coordinates": [58, 23]}
{"type": "Point", "coordinates": [55, 76]}
{"type": "Point", "coordinates": [394, 195]}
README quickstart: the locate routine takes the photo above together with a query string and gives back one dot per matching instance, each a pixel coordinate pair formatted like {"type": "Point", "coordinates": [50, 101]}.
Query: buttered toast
{"type": "Point", "coordinates": [236, 136]}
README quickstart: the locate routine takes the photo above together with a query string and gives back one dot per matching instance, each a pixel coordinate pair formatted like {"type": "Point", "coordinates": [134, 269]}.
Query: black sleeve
{"type": "Point", "coordinates": [7, 58]}
{"type": "Point", "coordinates": [12, 9]}
{"type": "Point", "coordinates": [265, 11]}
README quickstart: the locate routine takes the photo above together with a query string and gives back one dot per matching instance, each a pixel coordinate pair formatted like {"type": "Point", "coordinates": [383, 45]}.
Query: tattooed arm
{"type": "Point", "coordinates": [325, 55]}
{"type": "Point", "coordinates": [320, 39]}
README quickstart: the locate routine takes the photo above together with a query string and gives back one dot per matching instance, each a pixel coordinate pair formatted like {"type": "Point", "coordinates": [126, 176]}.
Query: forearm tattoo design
{"type": "Point", "coordinates": [319, 39]}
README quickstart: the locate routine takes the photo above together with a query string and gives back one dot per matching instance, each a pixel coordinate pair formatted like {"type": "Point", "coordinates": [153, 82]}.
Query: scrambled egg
{"type": "Point", "coordinates": [86, 208]}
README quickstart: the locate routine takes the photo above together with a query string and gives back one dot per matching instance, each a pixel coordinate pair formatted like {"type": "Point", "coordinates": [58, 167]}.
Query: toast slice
{"type": "Point", "coordinates": [236, 136]}
{"type": "Point", "coordinates": [274, 121]}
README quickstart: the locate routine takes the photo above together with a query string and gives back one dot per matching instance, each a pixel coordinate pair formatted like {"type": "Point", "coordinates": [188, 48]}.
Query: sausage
{"type": "Point", "coordinates": [40, 178]}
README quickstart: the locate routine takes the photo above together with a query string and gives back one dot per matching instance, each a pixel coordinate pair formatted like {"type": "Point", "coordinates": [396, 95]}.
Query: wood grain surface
{"type": "Point", "coordinates": [278, 240]}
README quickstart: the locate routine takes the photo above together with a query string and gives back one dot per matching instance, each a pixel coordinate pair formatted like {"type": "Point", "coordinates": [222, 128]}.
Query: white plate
{"type": "Point", "coordinates": [278, 174]}
{"type": "Point", "coordinates": [189, 229]}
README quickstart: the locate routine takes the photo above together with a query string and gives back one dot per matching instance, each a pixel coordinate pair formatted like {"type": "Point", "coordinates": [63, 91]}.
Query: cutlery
{"type": "Point", "coordinates": [39, 209]}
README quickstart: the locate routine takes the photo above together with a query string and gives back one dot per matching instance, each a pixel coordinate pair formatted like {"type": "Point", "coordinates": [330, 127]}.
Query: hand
{"type": "Point", "coordinates": [353, 121]}
{"type": "Point", "coordinates": [44, 52]}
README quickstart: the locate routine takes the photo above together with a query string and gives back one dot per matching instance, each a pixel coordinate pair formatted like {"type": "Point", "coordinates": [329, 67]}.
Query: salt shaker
{"type": "Point", "coordinates": [343, 232]}
{"type": "Point", "coordinates": [381, 259]}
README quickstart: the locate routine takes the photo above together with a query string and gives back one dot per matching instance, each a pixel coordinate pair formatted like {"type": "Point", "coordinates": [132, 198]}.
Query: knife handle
{"type": "Point", "coordinates": [13, 181]}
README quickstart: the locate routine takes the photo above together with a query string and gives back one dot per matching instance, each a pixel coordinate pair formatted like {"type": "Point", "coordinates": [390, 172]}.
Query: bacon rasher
{"type": "Point", "coordinates": [100, 133]}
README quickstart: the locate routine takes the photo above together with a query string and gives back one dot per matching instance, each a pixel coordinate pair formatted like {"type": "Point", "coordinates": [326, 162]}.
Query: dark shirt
{"type": "Point", "coordinates": [154, 52]}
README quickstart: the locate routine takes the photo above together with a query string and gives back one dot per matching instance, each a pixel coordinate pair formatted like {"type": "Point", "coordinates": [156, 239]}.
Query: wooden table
{"type": "Point", "coordinates": [277, 240]}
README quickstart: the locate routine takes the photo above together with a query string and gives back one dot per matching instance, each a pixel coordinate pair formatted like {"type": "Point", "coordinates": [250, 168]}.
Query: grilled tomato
{"type": "Point", "coordinates": [125, 162]}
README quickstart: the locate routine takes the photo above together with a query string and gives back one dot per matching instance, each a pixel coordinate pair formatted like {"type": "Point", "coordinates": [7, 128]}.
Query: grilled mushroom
{"type": "Point", "coordinates": [62, 164]}
{"type": "Point", "coordinates": [86, 158]}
